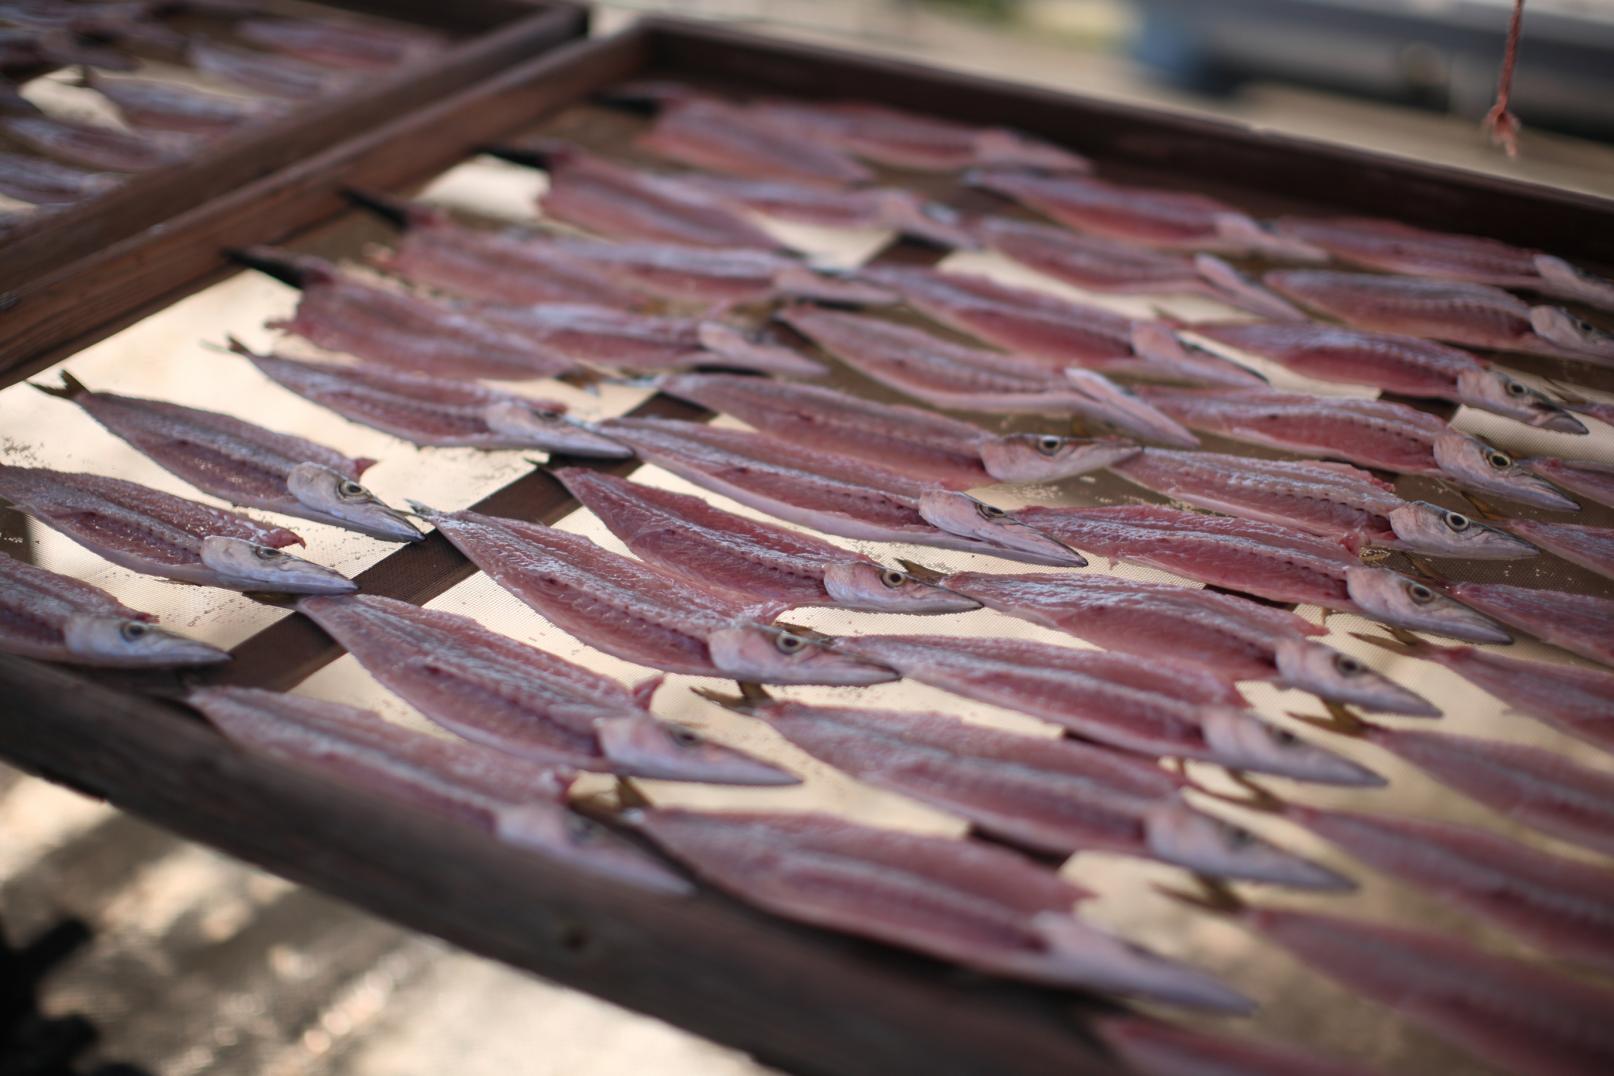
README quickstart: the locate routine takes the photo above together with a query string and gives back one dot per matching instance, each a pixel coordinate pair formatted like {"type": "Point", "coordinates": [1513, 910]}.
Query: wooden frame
{"type": "Point", "coordinates": [800, 999]}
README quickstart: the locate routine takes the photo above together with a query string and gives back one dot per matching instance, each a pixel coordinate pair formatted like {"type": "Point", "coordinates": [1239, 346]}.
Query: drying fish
{"type": "Point", "coordinates": [1133, 703]}
{"type": "Point", "coordinates": [89, 146]}
{"type": "Point", "coordinates": [1233, 636]}
{"type": "Point", "coordinates": [496, 691]}
{"type": "Point", "coordinates": [1589, 479]}
{"type": "Point", "coordinates": [170, 106]}
{"type": "Point", "coordinates": [963, 901]}
{"type": "Point", "coordinates": [394, 328]}
{"type": "Point", "coordinates": [1579, 623]}
{"type": "Point", "coordinates": [1054, 796]}
{"type": "Point", "coordinates": [840, 495]}
{"type": "Point", "coordinates": [1394, 247]}
{"type": "Point", "coordinates": [266, 73]}
{"type": "Point", "coordinates": [746, 560]}
{"type": "Point", "coordinates": [892, 208]}
{"type": "Point", "coordinates": [1472, 314]}
{"type": "Point", "coordinates": [1590, 547]}
{"type": "Point", "coordinates": [1153, 1048]}
{"type": "Point", "coordinates": [1118, 267]}
{"type": "Point", "coordinates": [522, 802]}
{"type": "Point", "coordinates": [1171, 220]}
{"type": "Point", "coordinates": [960, 378]}
{"type": "Point", "coordinates": [1042, 326]}
{"type": "Point", "coordinates": [438, 411]}
{"type": "Point", "coordinates": [243, 463]}
{"type": "Point", "coordinates": [618, 202]}
{"type": "Point", "coordinates": [711, 134]}
{"type": "Point", "coordinates": [328, 43]}
{"type": "Point", "coordinates": [156, 533]}
{"type": "Point", "coordinates": [640, 614]}
{"type": "Point", "coordinates": [1510, 1012]}
{"type": "Point", "coordinates": [55, 617]}
{"type": "Point", "coordinates": [41, 182]}
{"type": "Point", "coordinates": [1395, 363]}
{"type": "Point", "coordinates": [1328, 499]}
{"type": "Point", "coordinates": [1470, 462]}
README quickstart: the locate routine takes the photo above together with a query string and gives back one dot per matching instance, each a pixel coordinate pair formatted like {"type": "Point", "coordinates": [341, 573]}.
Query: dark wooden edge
{"type": "Point", "coordinates": [515, 32]}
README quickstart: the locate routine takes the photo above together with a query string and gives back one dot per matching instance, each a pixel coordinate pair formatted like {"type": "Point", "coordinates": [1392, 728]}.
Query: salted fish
{"type": "Point", "coordinates": [41, 182]}
{"type": "Point", "coordinates": [1329, 499]}
{"type": "Point", "coordinates": [1508, 1011]}
{"type": "Point", "coordinates": [1233, 636]}
{"type": "Point", "coordinates": [1062, 333]}
{"type": "Point", "coordinates": [1152, 708]}
{"type": "Point", "coordinates": [523, 701]}
{"type": "Point", "coordinates": [961, 378]}
{"type": "Point", "coordinates": [243, 463]}
{"type": "Point", "coordinates": [54, 617]}
{"type": "Point", "coordinates": [169, 106]}
{"type": "Point", "coordinates": [1054, 796]}
{"type": "Point", "coordinates": [1394, 247]}
{"type": "Point", "coordinates": [1590, 547]}
{"type": "Point", "coordinates": [1397, 363]}
{"type": "Point", "coordinates": [283, 77]}
{"type": "Point", "coordinates": [1472, 314]}
{"type": "Point", "coordinates": [710, 134]}
{"type": "Point", "coordinates": [1585, 477]}
{"type": "Point", "coordinates": [638, 613]}
{"type": "Point", "coordinates": [746, 560]}
{"type": "Point", "coordinates": [156, 533]}
{"type": "Point", "coordinates": [89, 146]}
{"type": "Point", "coordinates": [428, 410]}
{"type": "Point", "coordinates": [1154, 1048]}
{"type": "Point", "coordinates": [840, 495]}
{"type": "Point", "coordinates": [520, 801]}
{"type": "Point", "coordinates": [1579, 623]}
{"type": "Point", "coordinates": [963, 901]}
{"type": "Point", "coordinates": [370, 47]}
{"type": "Point", "coordinates": [1167, 219]}
{"type": "Point", "coordinates": [340, 312]}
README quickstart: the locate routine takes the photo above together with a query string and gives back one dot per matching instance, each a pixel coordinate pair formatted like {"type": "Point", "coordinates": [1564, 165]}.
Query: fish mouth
{"type": "Point", "coordinates": [248, 566]}
{"type": "Point", "coordinates": [1240, 740]}
{"type": "Point", "coordinates": [1178, 834]}
{"type": "Point", "coordinates": [1428, 528]}
{"type": "Point", "coordinates": [1407, 603]}
{"type": "Point", "coordinates": [1112, 404]}
{"type": "Point", "coordinates": [333, 498]}
{"type": "Point", "coordinates": [766, 654]}
{"type": "Point", "coordinates": [1557, 420]}
{"type": "Point", "coordinates": [963, 516]}
{"type": "Point", "coordinates": [1329, 674]}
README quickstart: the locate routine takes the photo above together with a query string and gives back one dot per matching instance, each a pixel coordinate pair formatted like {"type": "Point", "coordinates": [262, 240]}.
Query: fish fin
{"type": "Point", "coordinates": [922, 572]}
{"type": "Point", "coordinates": [645, 690]}
{"type": "Point", "coordinates": [362, 464]}
{"type": "Point", "coordinates": [395, 211]}
{"type": "Point", "coordinates": [423, 511]}
{"type": "Point", "coordinates": [72, 388]}
{"type": "Point", "coordinates": [629, 796]}
{"type": "Point", "coordinates": [587, 378]}
{"type": "Point", "coordinates": [298, 271]}
{"type": "Point", "coordinates": [1405, 643]}
{"type": "Point", "coordinates": [1256, 797]}
{"type": "Point", "coordinates": [750, 694]}
{"type": "Point", "coordinates": [1214, 896]}
{"type": "Point", "coordinates": [1341, 722]}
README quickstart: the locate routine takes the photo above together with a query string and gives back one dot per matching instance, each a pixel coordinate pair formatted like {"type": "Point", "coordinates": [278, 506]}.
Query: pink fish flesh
{"type": "Point", "coordinates": [428, 410]}
{"type": "Point", "coordinates": [1168, 219]}
{"type": "Point", "coordinates": [720, 137]}
{"type": "Point", "coordinates": [1062, 333]}
{"type": "Point", "coordinates": [1232, 636]}
{"type": "Point", "coordinates": [156, 533]}
{"type": "Point", "coordinates": [1116, 699]}
{"type": "Point", "coordinates": [1401, 364]}
{"type": "Point", "coordinates": [343, 45]}
{"type": "Point", "coordinates": [42, 182]}
{"type": "Point", "coordinates": [1152, 1048]}
{"type": "Point", "coordinates": [1394, 247]}
{"type": "Point", "coordinates": [1590, 547]}
{"type": "Point", "coordinates": [836, 494]}
{"type": "Point", "coordinates": [523, 701]}
{"type": "Point", "coordinates": [1053, 796]}
{"type": "Point", "coordinates": [105, 148]}
{"type": "Point", "coordinates": [520, 801]}
{"type": "Point", "coordinates": [266, 73]}
{"type": "Point", "coordinates": [956, 377]}
{"type": "Point", "coordinates": [244, 464]}
{"type": "Point", "coordinates": [1586, 477]}
{"type": "Point", "coordinates": [1472, 314]}
{"type": "Point", "coordinates": [1566, 906]}
{"type": "Point", "coordinates": [168, 106]}
{"type": "Point", "coordinates": [961, 901]}
{"type": "Point", "coordinates": [745, 560]}
{"type": "Point", "coordinates": [1579, 623]}
{"type": "Point", "coordinates": [892, 208]}
{"type": "Point", "coordinates": [54, 617]}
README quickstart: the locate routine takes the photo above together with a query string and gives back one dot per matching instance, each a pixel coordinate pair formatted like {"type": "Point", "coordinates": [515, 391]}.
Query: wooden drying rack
{"type": "Point", "coordinates": [797, 998]}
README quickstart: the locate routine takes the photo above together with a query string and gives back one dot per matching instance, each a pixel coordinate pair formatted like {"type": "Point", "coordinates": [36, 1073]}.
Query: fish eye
{"type": "Point", "coordinates": [1585, 326]}
{"type": "Point", "coordinates": [1457, 521]}
{"type": "Point", "coordinates": [1499, 461]}
{"type": "Point", "coordinates": [684, 736]}
{"type": "Point", "coordinates": [350, 488]}
{"type": "Point", "coordinates": [579, 828]}
{"type": "Point", "coordinates": [1049, 444]}
{"type": "Point", "coordinates": [1239, 837]}
{"type": "Point", "coordinates": [1348, 665]}
{"type": "Point", "coordinates": [989, 511]}
{"type": "Point", "coordinates": [133, 631]}
{"type": "Point", "coordinates": [1284, 737]}
{"type": "Point", "coordinates": [1515, 388]}
{"type": "Point", "coordinates": [263, 552]}
{"type": "Point", "coordinates": [788, 643]}
{"type": "Point", "coordinates": [1420, 593]}
{"type": "Point", "coordinates": [893, 578]}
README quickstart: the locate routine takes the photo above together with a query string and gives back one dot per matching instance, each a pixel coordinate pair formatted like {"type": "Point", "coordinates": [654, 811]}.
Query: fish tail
{"type": "Point", "coordinates": [290, 269]}
{"type": "Point", "coordinates": [395, 211]}
{"type": "Point", "coordinates": [71, 389]}
{"type": "Point", "coordinates": [750, 696]}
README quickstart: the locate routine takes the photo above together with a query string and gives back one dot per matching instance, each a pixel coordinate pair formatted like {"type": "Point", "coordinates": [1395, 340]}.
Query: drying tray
{"type": "Point", "coordinates": [37, 255]}
{"type": "Point", "coordinates": [797, 998]}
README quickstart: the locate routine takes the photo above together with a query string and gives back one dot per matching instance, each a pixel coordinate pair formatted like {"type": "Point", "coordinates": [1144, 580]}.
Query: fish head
{"type": "Point", "coordinates": [1259, 237]}
{"type": "Point", "coordinates": [1328, 674]}
{"type": "Point", "coordinates": [1243, 741]}
{"type": "Point", "coordinates": [1079, 954]}
{"type": "Point", "coordinates": [964, 516]}
{"type": "Point", "coordinates": [1179, 834]}
{"type": "Point", "coordinates": [648, 747]}
{"type": "Point", "coordinates": [250, 566]}
{"type": "Point", "coordinates": [1408, 603]}
{"type": "Point", "coordinates": [1048, 457]}
{"type": "Point", "coordinates": [1472, 462]}
{"type": "Point", "coordinates": [1441, 532]}
{"type": "Point", "coordinates": [342, 500]}
{"type": "Point", "coordinates": [1558, 325]}
{"type": "Point", "coordinates": [734, 348]}
{"type": "Point", "coordinates": [550, 430]}
{"type": "Point", "coordinates": [767, 654]}
{"type": "Point", "coordinates": [874, 588]}
{"type": "Point", "coordinates": [1492, 390]}
{"type": "Point", "coordinates": [569, 838]}
{"type": "Point", "coordinates": [126, 642]}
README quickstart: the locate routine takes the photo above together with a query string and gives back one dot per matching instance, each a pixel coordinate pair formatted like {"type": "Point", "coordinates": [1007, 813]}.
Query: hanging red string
{"type": "Point", "coordinates": [1500, 124]}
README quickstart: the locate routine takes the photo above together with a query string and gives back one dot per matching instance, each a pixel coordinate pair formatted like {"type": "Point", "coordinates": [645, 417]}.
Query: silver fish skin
{"type": "Point", "coordinates": [54, 617]}
{"type": "Point", "coordinates": [961, 901]}
{"type": "Point", "coordinates": [156, 533]}
{"type": "Point", "coordinates": [518, 699]}
{"type": "Point", "coordinates": [520, 801]}
{"type": "Point", "coordinates": [243, 463]}
{"type": "Point", "coordinates": [1154, 1048]}
{"type": "Point", "coordinates": [1482, 467]}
